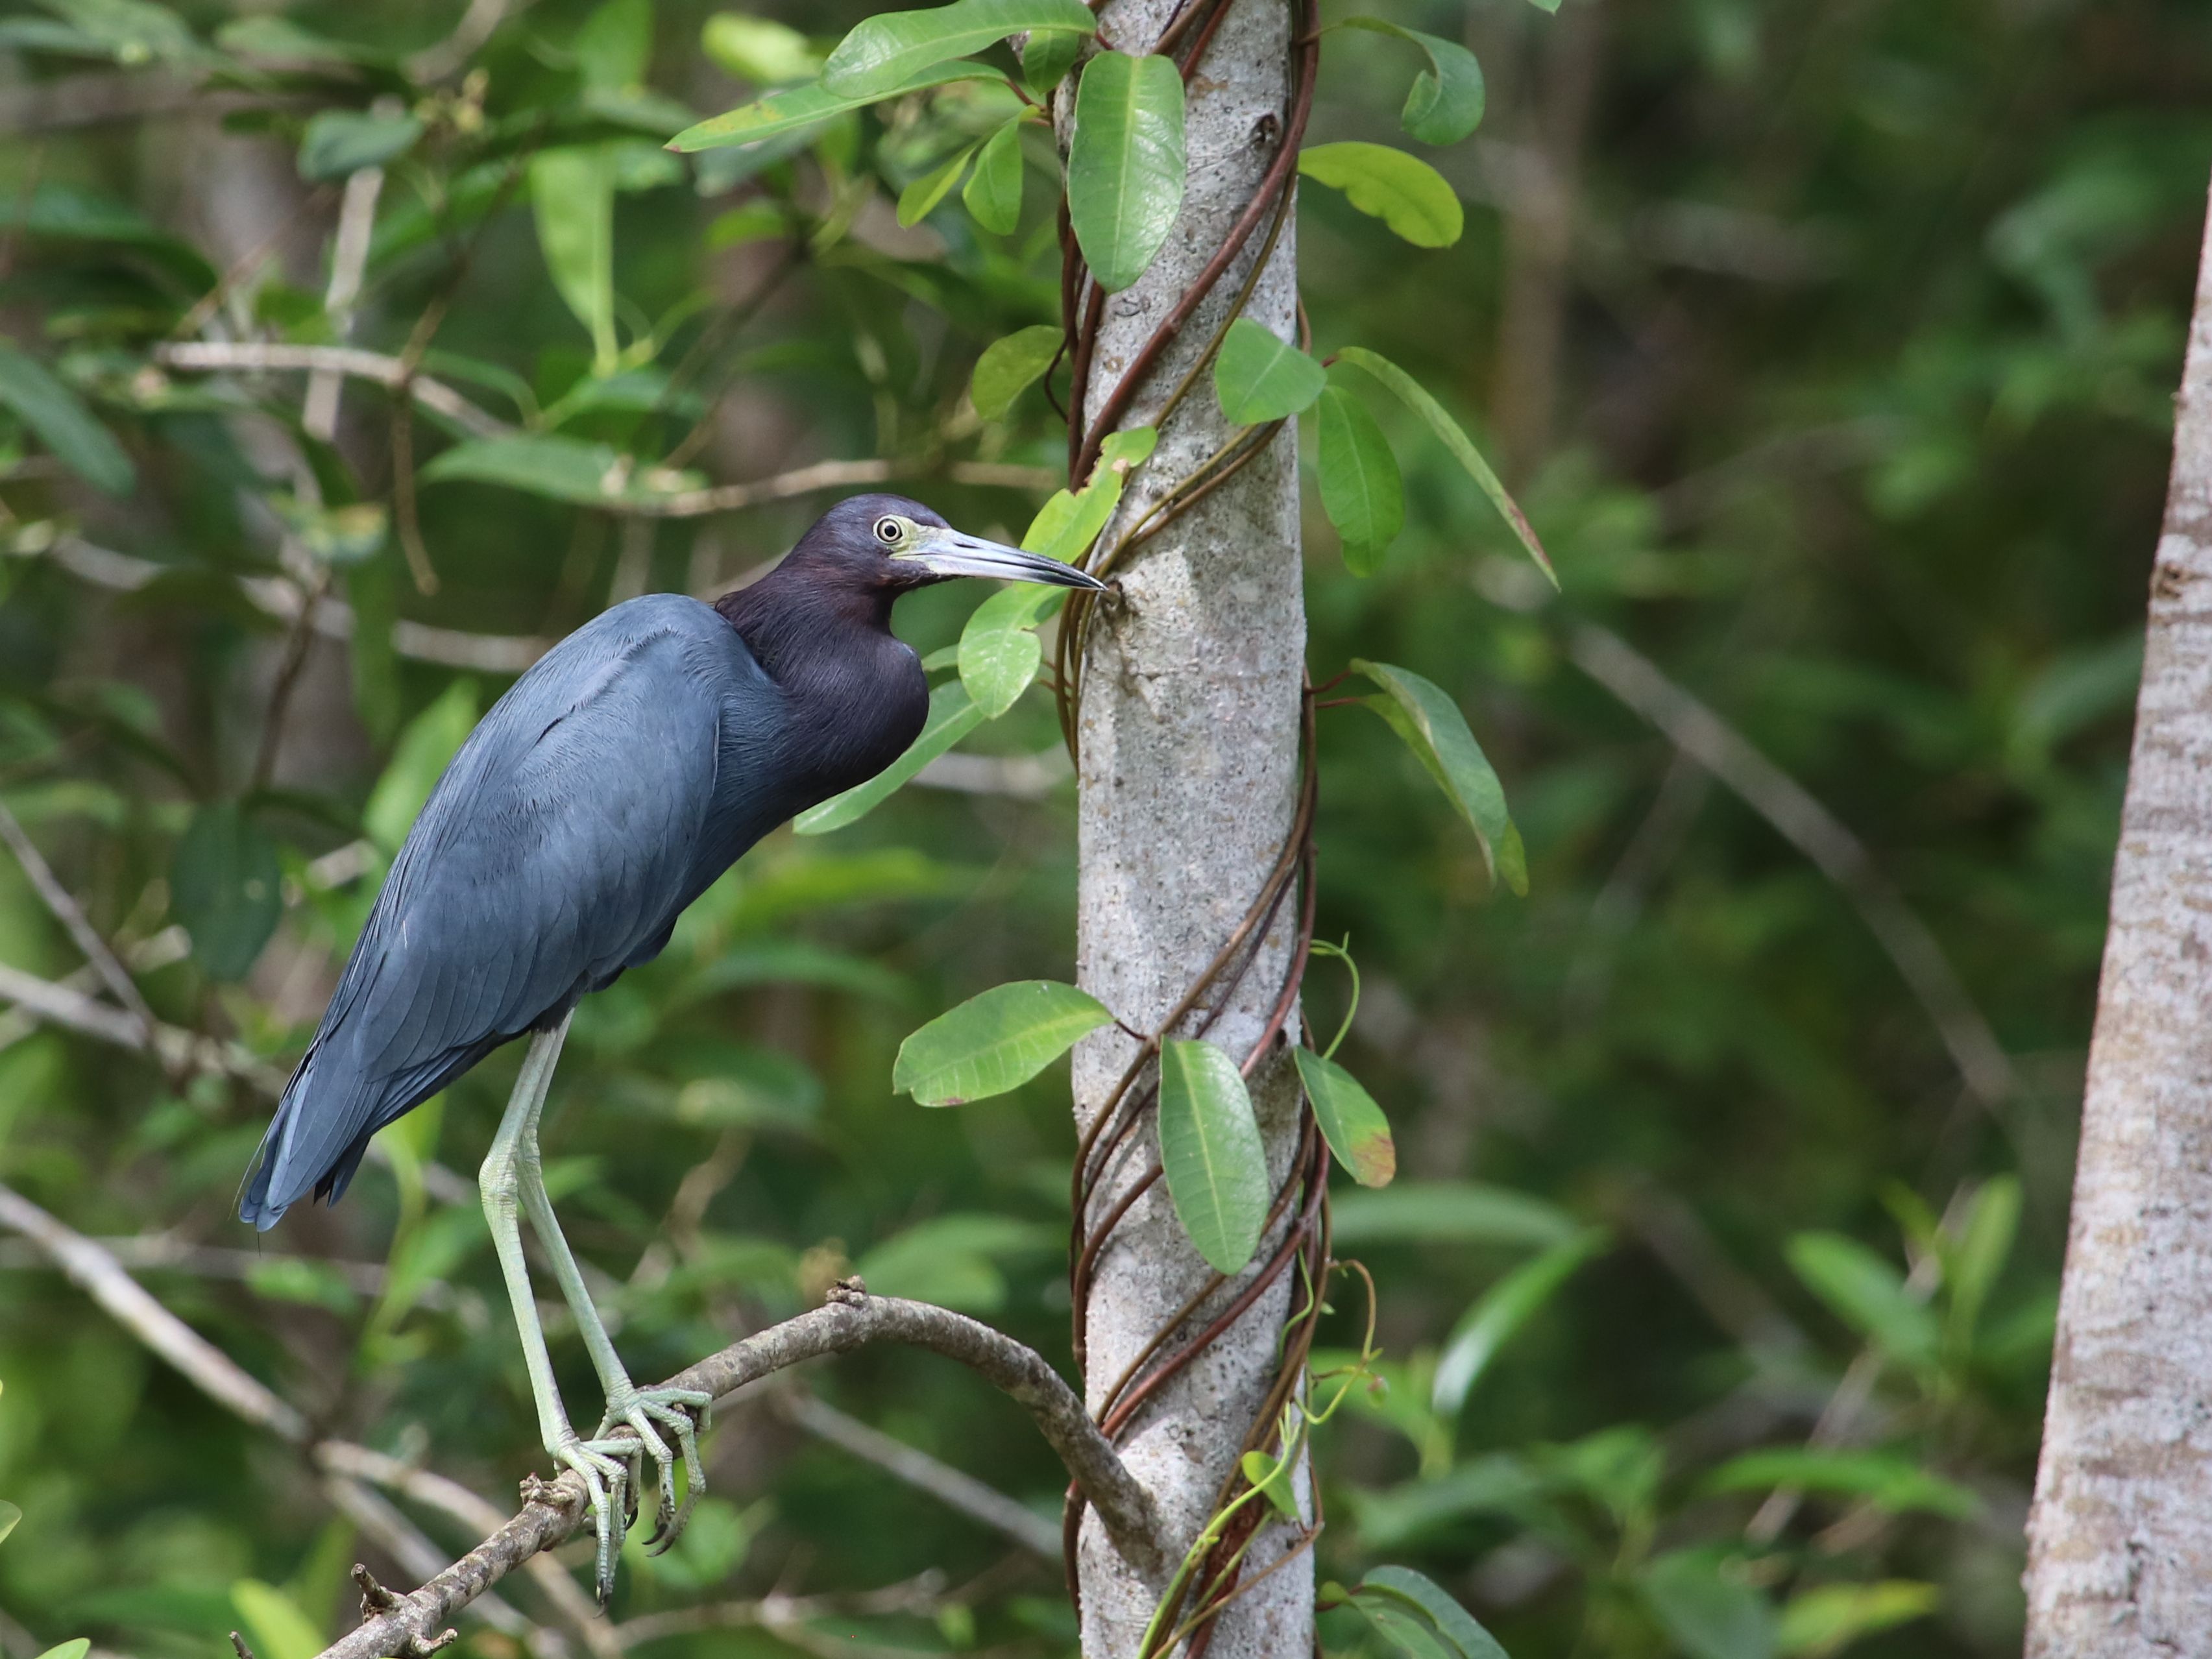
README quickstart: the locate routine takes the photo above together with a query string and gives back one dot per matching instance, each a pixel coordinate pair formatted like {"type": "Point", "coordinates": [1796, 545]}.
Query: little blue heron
{"type": "Point", "coordinates": [611, 786]}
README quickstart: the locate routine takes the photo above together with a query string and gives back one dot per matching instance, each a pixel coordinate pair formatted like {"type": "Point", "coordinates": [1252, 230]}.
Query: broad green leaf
{"type": "Point", "coordinates": [952, 716]}
{"type": "Point", "coordinates": [1125, 163]}
{"type": "Point", "coordinates": [1007, 367]}
{"type": "Point", "coordinates": [919, 199]}
{"type": "Point", "coordinates": [1458, 1625]}
{"type": "Point", "coordinates": [279, 1629]}
{"type": "Point", "coordinates": [1709, 1612]}
{"type": "Point", "coordinates": [886, 49]}
{"type": "Point", "coordinates": [1350, 1121]}
{"type": "Point", "coordinates": [226, 888]}
{"type": "Point", "coordinates": [1887, 1481]}
{"type": "Point", "coordinates": [1404, 1625]}
{"type": "Point", "coordinates": [993, 1041]}
{"type": "Point", "coordinates": [1396, 1517]}
{"type": "Point", "coordinates": [1047, 58]}
{"type": "Point", "coordinates": [1445, 103]}
{"type": "Point", "coordinates": [1432, 726]}
{"type": "Point", "coordinates": [1819, 1623]}
{"type": "Point", "coordinates": [1361, 488]}
{"type": "Point", "coordinates": [1402, 190]}
{"type": "Point", "coordinates": [428, 745]}
{"type": "Point", "coordinates": [1271, 1479]}
{"type": "Point", "coordinates": [9, 1516]}
{"type": "Point", "coordinates": [1260, 378]}
{"type": "Point", "coordinates": [76, 1648]}
{"type": "Point", "coordinates": [339, 142]}
{"type": "Point", "coordinates": [373, 590]}
{"type": "Point", "coordinates": [998, 648]}
{"type": "Point", "coordinates": [565, 469]}
{"type": "Point", "coordinates": [952, 1259]}
{"type": "Point", "coordinates": [1067, 524]}
{"type": "Point", "coordinates": [795, 107]}
{"type": "Point", "coordinates": [614, 45]}
{"type": "Point", "coordinates": [1450, 1212]}
{"type": "Point", "coordinates": [1210, 1146]}
{"type": "Point", "coordinates": [758, 48]}
{"type": "Point", "coordinates": [279, 40]}
{"type": "Point", "coordinates": [1867, 1294]}
{"type": "Point", "coordinates": [1499, 1313]}
{"type": "Point", "coordinates": [1973, 1264]}
{"type": "Point", "coordinates": [1415, 396]}
{"type": "Point", "coordinates": [63, 423]}
{"type": "Point", "coordinates": [993, 195]}
{"type": "Point", "coordinates": [571, 195]}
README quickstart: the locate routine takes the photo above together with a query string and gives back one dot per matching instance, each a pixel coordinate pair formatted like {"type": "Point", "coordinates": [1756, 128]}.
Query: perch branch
{"type": "Point", "coordinates": [389, 372]}
{"type": "Point", "coordinates": [71, 914]}
{"type": "Point", "coordinates": [553, 1511]}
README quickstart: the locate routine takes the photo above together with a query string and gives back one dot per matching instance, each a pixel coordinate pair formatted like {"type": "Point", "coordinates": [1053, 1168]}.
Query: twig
{"type": "Point", "coordinates": [287, 676]}
{"type": "Point", "coordinates": [172, 1045]}
{"type": "Point", "coordinates": [261, 357]}
{"type": "Point", "coordinates": [1814, 830]}
{"type": "Point", "coordinates": [67, 911]}
{"type": "Point", "coordinates": [348, 260]}
{"type": "Point", "coordinates": [777, 1613]}
{"type": "Point", "coordinates": [417, 1556]}
{"type": "Point", "coordinates": [834, 475]}
{"type": "Point", "coordinates": [949, 1486]}
{"type": "Point", "coordinates": [477, 24]}
{"type": "Point", "coordinates": [553, 1511]}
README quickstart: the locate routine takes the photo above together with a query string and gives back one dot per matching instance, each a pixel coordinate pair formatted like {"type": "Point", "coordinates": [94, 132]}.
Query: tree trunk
{"type": "Point", "coordinates": [1189, 772]}
{"type": "Point", "coordinates": [2121, 1535]}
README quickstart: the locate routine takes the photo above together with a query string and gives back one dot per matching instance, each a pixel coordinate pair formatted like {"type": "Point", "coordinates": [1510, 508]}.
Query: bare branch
{"type": "Point", "coordinates": [1814, 830]}
{"type": "Point", "coordinates": [949, 1486]}
{"type": "Point", "coordinates": [553, 1511]}
{"type": "Point", "coordinates": [173, 1046]}
{"type": "Point", "coordinates": [71, 914]}
{"type": "Point", "coordinates": [779, 1613]}
{"type": "Point", "coordinates": [390, 372]}
{"type": "Point", "coordinates": [837, 475]}
{"type": "Point", "coordinates": [357, 225]}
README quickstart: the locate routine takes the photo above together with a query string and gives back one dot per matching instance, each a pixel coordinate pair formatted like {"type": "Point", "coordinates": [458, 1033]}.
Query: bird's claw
{"type": "Point", "coordinates": [683, 1412]}
{"type": "Point", "coordinates": [605, 1475]}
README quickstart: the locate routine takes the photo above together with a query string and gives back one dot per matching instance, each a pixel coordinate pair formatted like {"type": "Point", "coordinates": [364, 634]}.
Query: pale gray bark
{"type": "Point", "coordinates": [1187, 770]}
{"type": "Point", "coordinates": [2120, 1563]}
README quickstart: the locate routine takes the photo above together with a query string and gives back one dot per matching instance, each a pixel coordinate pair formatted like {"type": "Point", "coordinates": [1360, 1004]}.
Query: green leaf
{"type": "Point", "coordinates": [999, 648]}
{"type": "Point", "coordinates": [1973, 1264]}
{"type": "Point", "coordinates": [1350, 1121]}
{"type": "Point", "coordinates": [1271, 1478]}
{"type": "Point", "coordinates": [758, 48]}
{"type": "Point", "coordinates": [1433, 728]}
{"type": "Point", "coordinates": [1817, 1623]}
{"type": "Point", "coordinates": [279, 1629]}
{"type": "Point", "coordinates": [1867, 1294]}
{"type": "Point", "coordinates": [1125, 163]}
{"type": "Point", "coordinates": [952, 1259]}
{"type": "Point", "coordinates": [1709, 1612]}
{"type": "Point", "coordinates": [1411, 393]}
{"type": "Point", "coordinates": [1458, 1625]}
{"type": "Point", "coordinates": [952, 716]}
{"type": "Point", "coordinates": [1067, 524]}
{"type": "Point", "coordinates": [427, 745]}
{"type": "Point", "coordinates": [1361, 488]}
{"type": "Point", "coordinates": [995, 194]}
{"type": "Point", "coordinates": [1451, 1213]}
{"type": "Point", "coordinates": [564, 469]}
{"type": "Point", "coordinates": [226, 888]}
{"type": "Point", "coordinates": [795, 107]}
{"type": "Point", "coordinates": [1445, 103]}
{"type": "Point", "coordinates": [1402, 190]}
{"type": "Point", "coordinates": [572, 194]}
{"type": "Point", "coordinates": [1404, 1625]}
{"type": "Point", "coordinates": [614, 45]}
{"type": "Point", "coordinates": [63, 423]}
{"type": "Point", "coordinates": [1007, 367]}
{"type": "Point", "coordinates": [1210, 1146]}
{"type": "Point", "coordinates": [1499, 1313]}
{"type": "Point", "coordinates": [1047, 58]}
{"type": "Point", "coordinates": [76, 1648]}
{"type": "Point", "coordinates": [993, 1041]}
{"type": "Point", "coordinates": [919, 199]}
{"type": "Point", "coordinates": [884, 51]}
{"type": "Point", "coordinates": [9, 1516]}
{"type": "Point", "coordinates": [1260, 378]}
{"type": "Point", "coordinates": [339, 142]}
{"type": "Point", "coordinates": [1889, 1482]}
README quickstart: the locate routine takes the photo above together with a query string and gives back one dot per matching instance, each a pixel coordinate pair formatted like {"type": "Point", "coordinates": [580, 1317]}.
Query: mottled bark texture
{"type": "Point", "coordinates": [1188, 735]}
{"type": "Point", "coordinates": [2120, 1563]}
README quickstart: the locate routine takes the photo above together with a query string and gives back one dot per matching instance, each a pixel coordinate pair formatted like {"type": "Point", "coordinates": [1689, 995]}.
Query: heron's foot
{"type": "Point", "coordinates": [607, 1476]}
{"type": "Point", "coordinates": [682, 1413]}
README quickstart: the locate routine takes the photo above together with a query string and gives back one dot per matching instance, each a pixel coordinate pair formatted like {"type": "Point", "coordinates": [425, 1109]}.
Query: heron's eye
{"type": "Point", "coordinates": [889, 532]}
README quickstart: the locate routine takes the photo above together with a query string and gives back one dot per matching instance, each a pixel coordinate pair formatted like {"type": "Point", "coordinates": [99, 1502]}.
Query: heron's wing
{"type": "Point", "coordinates": [562, 839]}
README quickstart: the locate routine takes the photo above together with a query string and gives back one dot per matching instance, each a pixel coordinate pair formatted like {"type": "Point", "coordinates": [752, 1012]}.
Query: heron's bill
{"type": "Point", "coordinates": [949, 553]}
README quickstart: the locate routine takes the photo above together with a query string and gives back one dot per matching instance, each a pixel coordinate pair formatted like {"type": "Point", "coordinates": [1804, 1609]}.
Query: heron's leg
{"type": "Point", "coordinates": [513, 1150]}
{"type": "Point", "coordinates": [642, 1409]}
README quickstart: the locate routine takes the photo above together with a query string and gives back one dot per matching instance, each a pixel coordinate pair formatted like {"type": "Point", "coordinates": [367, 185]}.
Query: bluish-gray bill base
{"type": "Point", "coordinates": [611, 787]}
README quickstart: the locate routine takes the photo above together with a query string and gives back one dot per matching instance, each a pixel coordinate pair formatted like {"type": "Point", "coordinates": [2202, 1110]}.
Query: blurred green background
{"type": "Point", "coordinates": [1830, 349]}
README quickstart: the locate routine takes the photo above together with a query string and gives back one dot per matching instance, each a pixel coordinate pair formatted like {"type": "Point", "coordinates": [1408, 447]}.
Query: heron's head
{"type": "Point", "coordinates": [888, 543]}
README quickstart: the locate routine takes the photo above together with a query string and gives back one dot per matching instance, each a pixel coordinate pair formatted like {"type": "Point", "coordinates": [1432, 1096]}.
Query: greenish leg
{"type": "Point", "coordinates": [513, 1150]}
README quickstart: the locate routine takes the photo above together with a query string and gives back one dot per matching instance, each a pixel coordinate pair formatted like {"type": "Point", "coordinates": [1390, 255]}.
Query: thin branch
{"type": "Point", "coordinates": [67, 911]}
{"type": "Point", "coordinates": [417, 1556]}
{"type": "Point", "coordinates": [173, 1046]}
{"type": "Point", "coordinates": [1814, 830]}
{"type": "Point", "coordinates": [777, 1613]}
{"type": "Point", "coordinates": [349, 247]}
{"type": "Point", "coordinates": [477, 25]}
{"type": "Point", "coordinates": [834, 474]}
{"type": "Point", "coordinates": [553, 1511]}
{"type": "Point", "coordinates": [252, 356]}
{"type": "Point", "coordinates": [949, 1486]}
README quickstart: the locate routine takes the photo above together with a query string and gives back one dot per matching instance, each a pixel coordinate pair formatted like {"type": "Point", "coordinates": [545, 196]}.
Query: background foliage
{"type": "Point", "coordinates": [1830, 349]}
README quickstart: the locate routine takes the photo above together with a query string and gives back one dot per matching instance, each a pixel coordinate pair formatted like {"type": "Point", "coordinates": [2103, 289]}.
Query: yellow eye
{"type": "Point", "coordinates": [891, 531]}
